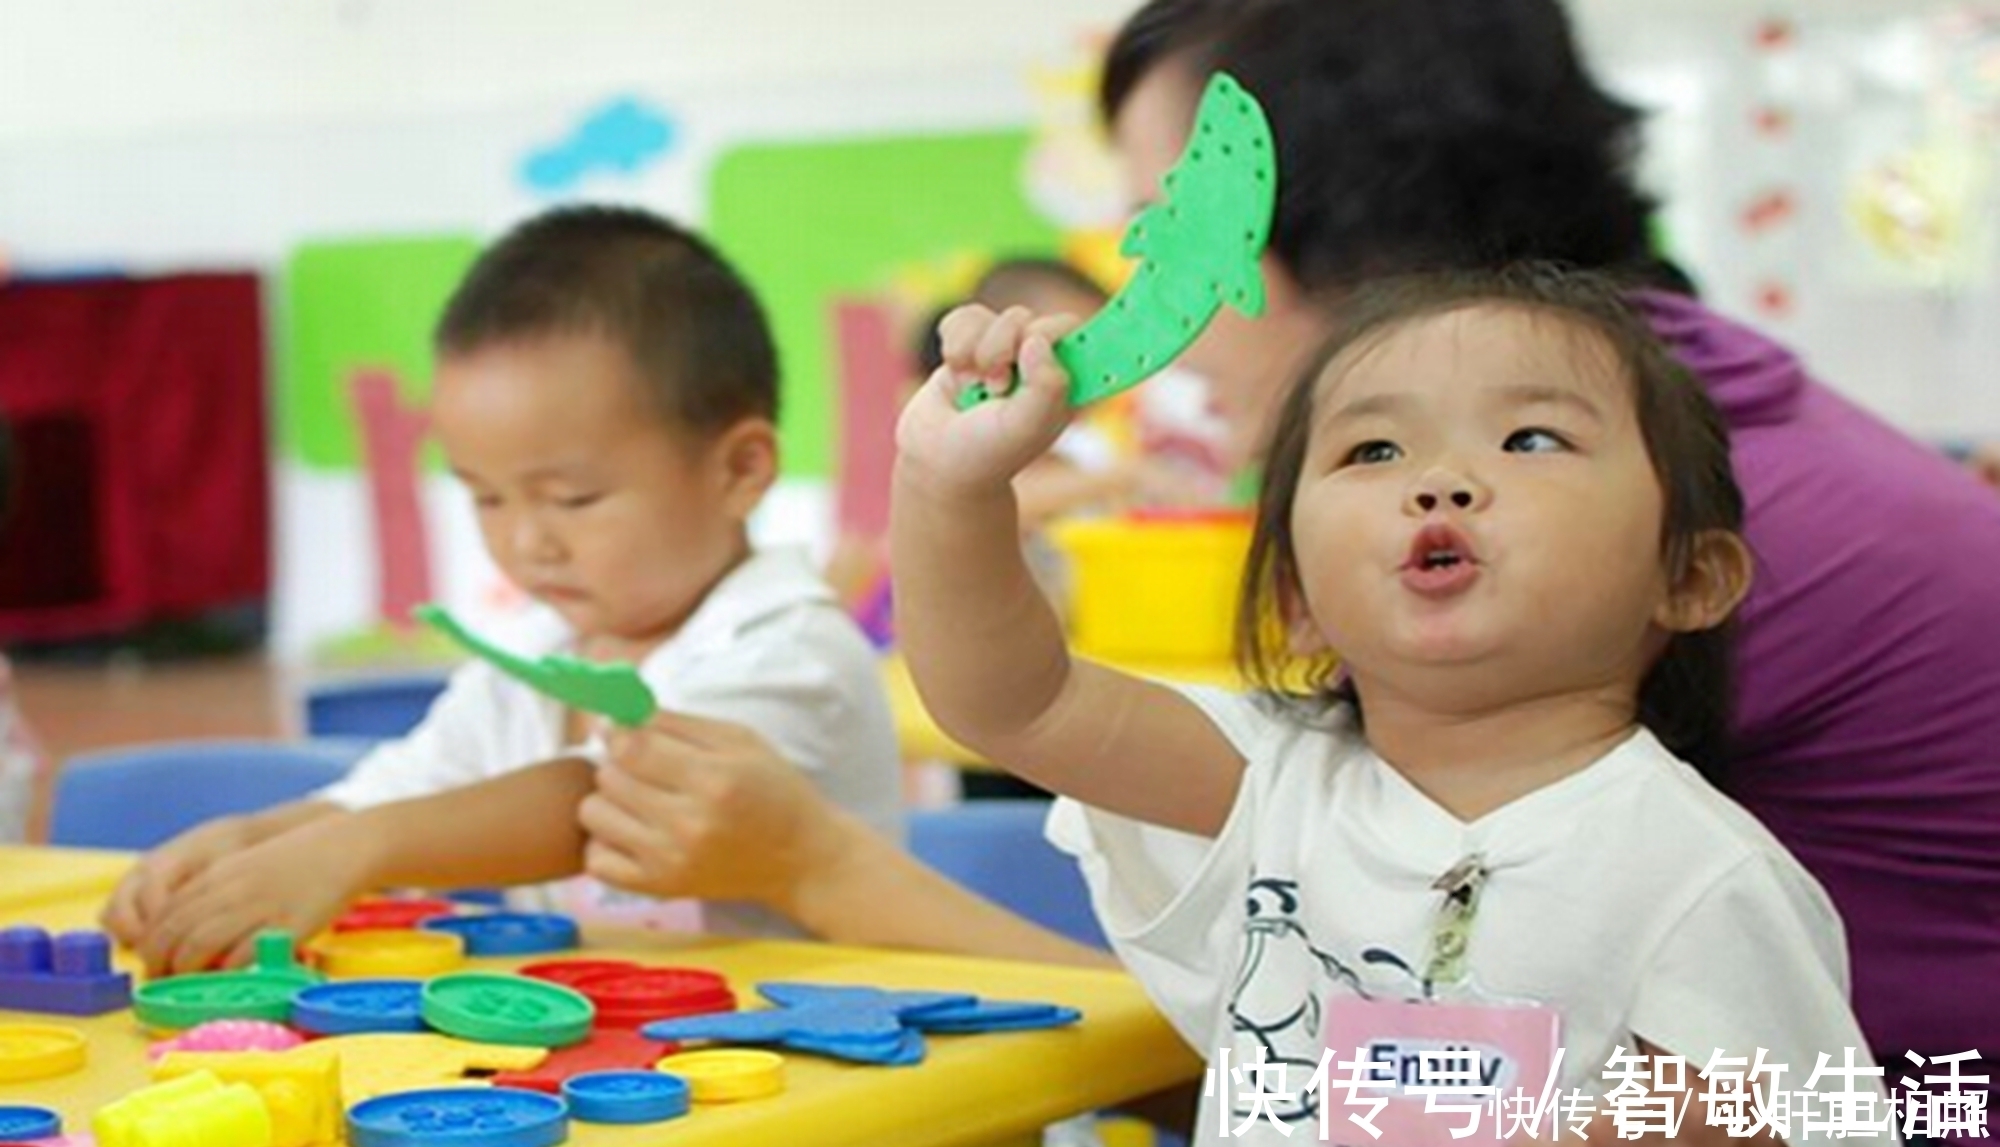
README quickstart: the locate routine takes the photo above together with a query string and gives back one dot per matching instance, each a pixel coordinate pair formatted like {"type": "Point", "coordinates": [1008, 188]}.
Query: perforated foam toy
{"type": "Point", "coordinates": [614, 691]}
{"type": "Point", "coordinates": [1198, 250]}
{"type": "Point", "coordinates": [864, 1025]}
{"type": "Point", "coordinates": [68, 975]}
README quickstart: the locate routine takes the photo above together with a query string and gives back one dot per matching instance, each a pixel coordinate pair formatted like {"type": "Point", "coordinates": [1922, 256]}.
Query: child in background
{"type": "Point", "coordinates": [607, 392]}
{"type": "Point", "coordinates": [1514, 517]}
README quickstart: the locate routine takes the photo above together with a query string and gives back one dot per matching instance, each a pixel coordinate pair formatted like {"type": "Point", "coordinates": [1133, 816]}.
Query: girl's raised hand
{"type": "Point", "coordinates": [982, 449]}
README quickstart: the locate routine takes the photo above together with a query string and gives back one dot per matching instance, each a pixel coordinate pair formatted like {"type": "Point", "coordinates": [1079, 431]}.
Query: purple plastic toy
{"type": "Point", "coordinates": [70, 975]}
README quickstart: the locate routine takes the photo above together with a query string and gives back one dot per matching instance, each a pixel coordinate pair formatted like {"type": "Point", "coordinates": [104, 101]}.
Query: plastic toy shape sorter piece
{"type": "Point", "coordinates": [1199, 248]}
{"type": "Point", "coordinates": [18, 1123]}
{"type": "Point", "coordinates": [68, 975]}
{"type": "Point", "coordinates": [866, 1025]}
{"type": "Point", "coordinates": [509, 933]}
{"type": "Point", "coordinates": [727, 1076]}
{"type": "Point", "coordinates": [388, 914]}
{"type": "Point", "coordinates": [628, 995]}
{"type": "Point", "coordinates": [263, 991]}
{"type": "Point", "coordinates": [995, 1016]}
{"type": "Point", "coordinates": [389, 953]}
{"type": "Point", "coordinates": [30, 1052]}
{"type": "Point", "coordinates": [616, 1050]}
{"type": "Point", "coordinates": [195, 1110]}
{"type": "Point", "coordinates": [614, 691]}
{"type": "Point", "coordinates": [458, 1117]}
{"type": "Point", "coordinates": [354, 1007]}
{"type": "Point", "coordinates": [627, 1097]}
{"type": "Point", "coordinates": [301, 1092]}
{"type": "Point", "coordinates": [507, 1009]}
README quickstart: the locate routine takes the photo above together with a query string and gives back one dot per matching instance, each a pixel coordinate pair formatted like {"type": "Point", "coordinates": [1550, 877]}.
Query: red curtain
{"type": "Point", "coordinates": [142, 469]}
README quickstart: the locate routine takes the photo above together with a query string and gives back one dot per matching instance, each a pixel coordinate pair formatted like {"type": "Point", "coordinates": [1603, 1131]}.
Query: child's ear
{"type": "Point", "coordinates": [746, 464]}
{"type": "Point", "coordinates": [1302, 636]}
{"type": "Point", "coordinates": [1712, 585]}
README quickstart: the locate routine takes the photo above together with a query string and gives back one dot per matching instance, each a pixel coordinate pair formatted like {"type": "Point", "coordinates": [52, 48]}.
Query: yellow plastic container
{"type": "Point", "coordinates": [1150, 591]}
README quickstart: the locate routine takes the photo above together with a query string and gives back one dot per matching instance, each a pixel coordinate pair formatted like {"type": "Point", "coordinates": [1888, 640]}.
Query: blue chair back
{"type": "Point", "coordinates": [996, 848]}
{"type": "Point", "coordinates": [139, 797]}
{"type": "Point", "coordinates": [377, 707]}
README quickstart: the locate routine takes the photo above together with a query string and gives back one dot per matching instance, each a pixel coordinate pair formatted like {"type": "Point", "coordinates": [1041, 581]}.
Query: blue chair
{"type": "Point", "coordinates": [377, 707]}
{"type": "Point", "coordinates": [996, 848]}
{"type": "Point", "coordinates": [138, 797]}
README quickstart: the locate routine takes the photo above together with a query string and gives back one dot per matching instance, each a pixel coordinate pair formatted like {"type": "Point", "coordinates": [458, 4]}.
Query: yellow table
{"type": "Point", "coordinates": [969, 1090]}
{"type": "Point", "coordinates": [922, 740]}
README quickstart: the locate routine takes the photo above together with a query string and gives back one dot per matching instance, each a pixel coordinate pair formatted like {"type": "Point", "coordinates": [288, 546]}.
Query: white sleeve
{"type": "Point", "coordinates": [453, 746]}
{"type": "Point", "coordinates": [1758, 961]}
{"type": "Point", "coordinates": [808, 683]}
{"type": "Point", "coordinates": [1169, 901]}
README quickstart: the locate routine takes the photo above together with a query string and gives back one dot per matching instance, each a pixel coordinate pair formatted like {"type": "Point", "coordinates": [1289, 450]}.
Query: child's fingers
{"type": "Point", "coordinates": [607, 865]}
{"type": "Point", "coordinates": [610, 821]}
{"type": "Point", "coordinates": [994, 357]}
{"type": "Point", "coordinates": [121, 915]}
{"type": "Point", "coordinates": [959, 333]}
{"type": "Point", "coordinates": [1044, 383]}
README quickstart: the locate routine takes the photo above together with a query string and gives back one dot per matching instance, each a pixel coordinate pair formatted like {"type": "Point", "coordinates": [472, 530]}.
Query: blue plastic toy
{"type": "Point", "coordinates": [995, 1016]}
{"type": "Point", "coordinates": [359, 1006]}
{"type": "Point", "coordinates": [21, 1123]}
{"type": "Point", "coordinates": [510, 933]}
{"type": "Point", "coordinates": [448, 1117]}
{"type": "Point", "coordinates": [70, 975]}
{"type": "Point", "coordinates": [626, 1096]}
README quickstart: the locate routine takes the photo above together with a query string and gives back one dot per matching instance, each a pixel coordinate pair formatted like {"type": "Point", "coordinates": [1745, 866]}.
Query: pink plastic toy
{"type": "Point", "coordinates": [230, 1035]}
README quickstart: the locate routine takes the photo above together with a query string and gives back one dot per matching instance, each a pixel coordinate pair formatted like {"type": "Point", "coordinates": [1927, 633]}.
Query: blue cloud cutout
{"type": "Point", "coordinates": [623, 136]}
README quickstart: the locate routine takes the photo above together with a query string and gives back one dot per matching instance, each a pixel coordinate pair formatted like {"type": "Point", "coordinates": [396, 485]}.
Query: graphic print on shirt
{"type": "Point", "coordinates": [1278, 1002]}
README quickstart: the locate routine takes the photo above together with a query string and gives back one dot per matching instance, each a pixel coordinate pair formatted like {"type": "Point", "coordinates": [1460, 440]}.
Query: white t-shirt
{"type": "Point", "coordinates": [1631, 897]}
{"type": "Point", "coordinates": [769, 648]}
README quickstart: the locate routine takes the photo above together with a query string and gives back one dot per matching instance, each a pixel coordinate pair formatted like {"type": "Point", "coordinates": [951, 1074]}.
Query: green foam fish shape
{"type": "Point", "coordinates": [1198, 249]}
{"type": "Point", "coordinates": [614, 691]}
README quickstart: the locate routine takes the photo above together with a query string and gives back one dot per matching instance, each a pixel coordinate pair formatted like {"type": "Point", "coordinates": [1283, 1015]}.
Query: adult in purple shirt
{"type": "Point", "coordinates": [1425, 134]}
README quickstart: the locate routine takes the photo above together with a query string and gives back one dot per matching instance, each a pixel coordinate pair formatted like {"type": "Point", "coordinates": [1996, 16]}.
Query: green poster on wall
{"type": "Point", "coordinates": [811, 223]}
{"type": "Point", "coordinates": [355, 306]}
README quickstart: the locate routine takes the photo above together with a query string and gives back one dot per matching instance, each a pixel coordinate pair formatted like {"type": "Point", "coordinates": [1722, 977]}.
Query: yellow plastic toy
{"type": "Point", "coordinates": [727, 1076]}
{"type": "Point", "coordinates": [302, 1093]}
{"type": "Point", "coordinates": [39, 1051]}
{"type": "Point", "coordinates": [196, 1110]}
{"type": "Point", "coordinates": [385, 1063]}
{"type": "Point", "coordinates": [389, 954]}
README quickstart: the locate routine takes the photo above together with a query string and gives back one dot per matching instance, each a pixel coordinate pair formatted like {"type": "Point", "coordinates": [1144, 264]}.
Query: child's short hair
{"type": "Point", "coordinates": [1685, 696]}
{"type": "Point", "coordinates": [689, 322]}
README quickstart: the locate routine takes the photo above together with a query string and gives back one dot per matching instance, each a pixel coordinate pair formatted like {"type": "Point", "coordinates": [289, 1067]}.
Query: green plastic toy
{"type": "Point", "coordinates": [1198, 249]}
{"type": "Point", "coordinates": [613, 691]}
{"type": "Point", "coordinates": [263, 991]}
{"type": "Point", "coordinates": [497, 1008]}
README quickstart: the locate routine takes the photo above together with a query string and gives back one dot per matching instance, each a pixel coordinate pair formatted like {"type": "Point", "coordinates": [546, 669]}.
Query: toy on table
{"type": "Point", "coordinates": [263, 991]}
{"type": "Point", "coordinates": [503, 1009]}
{"type": "Point", "coordinates": [861, 1024]}
{"type": "Point", "coordinates": [21, 1122]}
{"type": "Point", "coordinates": [69, 975]}
{"type": "Point", "coordinates": [301, 1093]}
{"type": "Point", "coordinates": [509, 933]}
{"type": "Point", "coordinates": [195, 1110]}
{"type": "Point", "coordinates": [614, 1050]}
{"type": "Point", "coordinates": [40, 1051]}
{"type": "Point", "coordinates": [384, 1063]}
{"type": "Point", "coordinates": [1199, 248]}
{"type": "Point", "coordinates": [727, 1076]}
{"type": "Point", "coordinates": [614, 691]}
{"type": "Point", "coordinates": [391, 915]}
{"type": "Point", "coordinates": [389, 953]}
{"type": "Point", "coordinates": [354, 1007]}
{"type": "Point", "coordinates": [628, 995]}
{"type": "Point", "coordinates": [229, 1035]}
{"type": "Point", "coordinates": [495, 1118]}
{"type": "Point", "coordinates": [626, 1097]}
